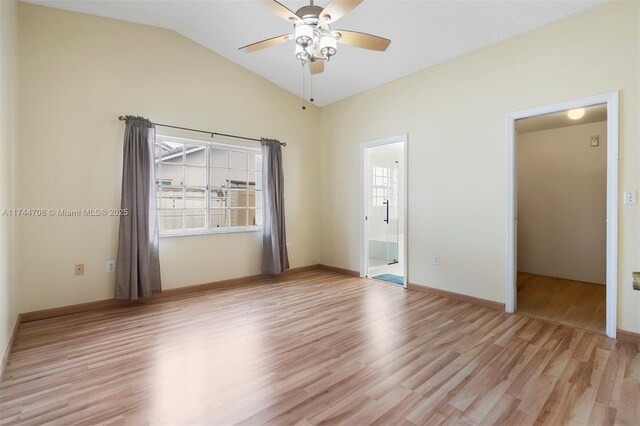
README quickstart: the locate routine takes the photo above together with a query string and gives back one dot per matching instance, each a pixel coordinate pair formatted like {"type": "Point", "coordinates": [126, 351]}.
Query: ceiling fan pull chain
{"type": "Point", "coordinates": [303, 98]}
{"type": "Point", "coordinates": [311, 88]}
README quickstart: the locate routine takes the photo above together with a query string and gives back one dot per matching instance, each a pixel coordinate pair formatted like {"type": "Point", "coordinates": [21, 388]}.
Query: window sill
{"type": "Point", "coordinates": [233, 230]}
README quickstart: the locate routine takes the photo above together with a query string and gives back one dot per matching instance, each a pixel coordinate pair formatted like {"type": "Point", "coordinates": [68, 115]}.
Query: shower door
{"type": "Point", "coordinates": [383, 213]}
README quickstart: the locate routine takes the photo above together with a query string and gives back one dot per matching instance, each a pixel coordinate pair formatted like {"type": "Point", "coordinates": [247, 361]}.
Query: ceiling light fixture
{"type": "Point", "coordinates": [328, 45]}
{"type": "Point", "coordinates": [314, 36]}
{"type": "Point", "coordinates": [302, 54]}
{"type": "Point", "coordinates": [304, 35]}
{"type": "Point", "coordinates": [576, 114]}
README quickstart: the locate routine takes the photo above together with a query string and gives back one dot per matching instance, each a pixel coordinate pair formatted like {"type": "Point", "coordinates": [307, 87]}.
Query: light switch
{"type": "Point", "coordinates": [630, 197]}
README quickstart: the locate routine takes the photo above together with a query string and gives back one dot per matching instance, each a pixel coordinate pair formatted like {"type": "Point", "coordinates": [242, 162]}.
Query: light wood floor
{"type": "Point", "coordinates": [567, 302]}
{"type": "Point", "coordinates": [315, 348]}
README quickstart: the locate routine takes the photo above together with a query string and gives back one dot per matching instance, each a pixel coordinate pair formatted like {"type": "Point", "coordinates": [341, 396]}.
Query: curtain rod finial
{"type": "Point", "coordinates": [122, 118]}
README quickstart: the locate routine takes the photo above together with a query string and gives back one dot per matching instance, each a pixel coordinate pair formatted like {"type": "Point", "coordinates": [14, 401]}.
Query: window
{"type": "Point", "coordinates": [381, 184]}
{"type": "Point", "coordinates": [206, 187]}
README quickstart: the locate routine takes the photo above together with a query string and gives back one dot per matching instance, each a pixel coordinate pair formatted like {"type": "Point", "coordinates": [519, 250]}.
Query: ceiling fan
{"type": "Point", "coordinates": [315, 41]}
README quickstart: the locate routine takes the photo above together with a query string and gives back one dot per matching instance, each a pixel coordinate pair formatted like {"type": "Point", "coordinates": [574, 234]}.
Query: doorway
{"type": "Point", "coordinates": [562, 213]}
{"type": "Point", "coordinates": [383, 208]}
{"type": "Point", "coordinates": [561, 187]}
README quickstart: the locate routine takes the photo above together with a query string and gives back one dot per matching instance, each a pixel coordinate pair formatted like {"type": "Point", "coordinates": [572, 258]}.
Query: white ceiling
{"type": "Point", "coordinates": [423, 33]}
{"type": "Point", "coordinates": [592, 114]}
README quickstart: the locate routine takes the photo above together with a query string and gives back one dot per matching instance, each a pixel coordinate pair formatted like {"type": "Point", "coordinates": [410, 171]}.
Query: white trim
{"type": "Point", "coordinates": [511, 298]}
{"type": "Point", "coordinates": [361, 224]}
{"type": "Point", "coordinates": [405, 189]}
{"type": "Point", "coordinates": [188, 141]}
{"type": "Point", "coordinates": [611, 99]}
{"type": "Point", "coordinates": [364, 266]}
{"type": "Point", "coordinates": [213, 231]}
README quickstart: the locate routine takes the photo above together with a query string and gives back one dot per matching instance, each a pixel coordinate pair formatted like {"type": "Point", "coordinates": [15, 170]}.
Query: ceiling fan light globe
{"type": "Point", "coordinates": [328, 52]}
{"type": "Point", "coordinates": [302, 55]}
{"type": "Point", "coordinates": [328, 46]}
{"type": "Point", "coordinates": [303, 41]}
{"type": "Point", "coordinates": [304, 35]}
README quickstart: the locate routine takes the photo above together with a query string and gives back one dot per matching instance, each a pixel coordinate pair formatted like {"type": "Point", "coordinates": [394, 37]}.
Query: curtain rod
{"type": "Point", "coordinates": [124, 118]}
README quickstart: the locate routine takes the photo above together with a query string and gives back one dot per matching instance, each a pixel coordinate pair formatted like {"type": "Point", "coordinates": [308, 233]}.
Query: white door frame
{"type": "Point", "coordinates": [364, 231]}
{"type": "Point", "coordinates": [611, 99]}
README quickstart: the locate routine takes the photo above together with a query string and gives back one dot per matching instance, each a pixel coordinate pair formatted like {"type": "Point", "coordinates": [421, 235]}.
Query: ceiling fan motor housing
{"type": "Point", "coordinates": [309, 12]}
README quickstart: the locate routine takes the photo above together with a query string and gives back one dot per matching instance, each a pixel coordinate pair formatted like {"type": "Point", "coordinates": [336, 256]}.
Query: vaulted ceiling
{"type": "Point", "coordinates": [423, 33]}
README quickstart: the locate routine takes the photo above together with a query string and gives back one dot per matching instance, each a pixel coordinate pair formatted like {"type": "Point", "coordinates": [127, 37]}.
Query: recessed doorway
{"type": "Point", "coordinates": [562, 216]}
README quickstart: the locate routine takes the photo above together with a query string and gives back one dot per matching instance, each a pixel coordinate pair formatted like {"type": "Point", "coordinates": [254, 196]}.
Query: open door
{"type": "Point", "coordinates": [383, 247]}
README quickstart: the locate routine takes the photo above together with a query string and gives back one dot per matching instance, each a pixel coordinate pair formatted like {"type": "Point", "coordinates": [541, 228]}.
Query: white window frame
{"type": "Point", "coordinates": [207, 230]}
{"type": "Point", "coordinates": [386, 191]}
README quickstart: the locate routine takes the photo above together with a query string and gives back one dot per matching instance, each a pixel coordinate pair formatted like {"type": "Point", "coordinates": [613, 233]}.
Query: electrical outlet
{"type": "Point", "coordinates": [79, 269]}
{"type": "Point", "coordinates": [595, 140]}
{"type": "Point", "coordinates": [111, 266]}
{"type": "Point", "coordinates": [636, 280]}
{"type": "Point", "coordinates": [436, 260]}
{"type": "Point", "coordinates": [288, 247]}
{"type": "Point", "coordinates": [630, 197]}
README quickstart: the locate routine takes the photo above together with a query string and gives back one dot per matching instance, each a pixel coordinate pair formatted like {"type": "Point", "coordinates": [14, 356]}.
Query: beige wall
{"type": "Point", "coordinates": [78, 73]}
{"type": "Point", "coordinates": [455, 115]}
{"type": "Point", "coordinates": [562, 203]}
{"type": "Point", "coordinates": [8, 143]}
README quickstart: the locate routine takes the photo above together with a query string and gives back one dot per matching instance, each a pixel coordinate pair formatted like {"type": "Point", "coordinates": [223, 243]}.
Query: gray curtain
{"type": "Point", "coordinates": [274, 240]}
{"type": "Point", "coordinates": [138, 266]}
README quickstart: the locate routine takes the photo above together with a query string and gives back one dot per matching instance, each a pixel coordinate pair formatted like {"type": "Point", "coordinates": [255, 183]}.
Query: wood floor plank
{"type": "Point", "coordinates": [567, 302]}
{"type": "Point", "coordinates": [316, 347]}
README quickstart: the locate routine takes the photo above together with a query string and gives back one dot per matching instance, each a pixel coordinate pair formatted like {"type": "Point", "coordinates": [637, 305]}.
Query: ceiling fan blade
{"type": "Point", "coordinates": [316, 67]}
{"type": "Point", "coordinates": [265, 43]}
{"type": "Point", "coordinates": [281, 10]}
{"type": "Point", "coordinates": [338, 8]}
{"type": "Point", "coordinates": [363, 40]}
